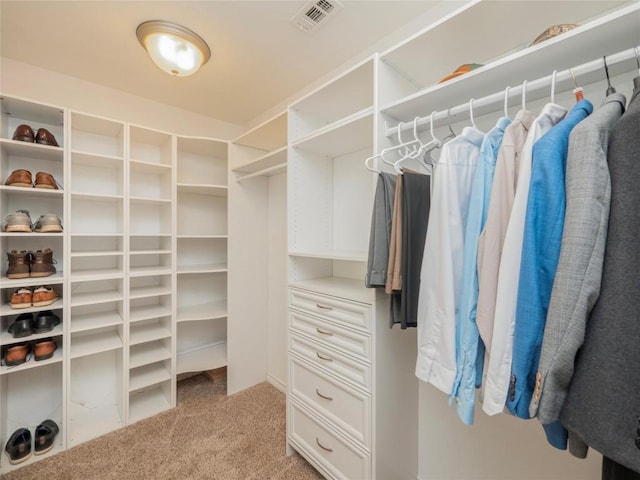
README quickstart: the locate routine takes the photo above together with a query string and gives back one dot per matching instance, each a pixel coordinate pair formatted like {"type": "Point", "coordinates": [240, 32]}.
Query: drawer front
{"type": "Point", "coordinates": [351, 314]}
{"type": "Point", "coordinates": [346, 341]}
{"type": "Point", "coordinates": [328, 449]}
{"type": "Point", "coordinates": [350, 370]}
{"type": "Point", "coordinates": [345, 407]}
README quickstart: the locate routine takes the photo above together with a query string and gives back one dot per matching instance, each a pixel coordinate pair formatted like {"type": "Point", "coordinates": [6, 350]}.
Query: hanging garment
{"type": "Point", "coordinates": [416, 196]}
{"type": "Point", "coordinates": [577, 283]}
{"type": "Point", "coordinates": [394, 268]}
{"type": "Point", "coordinates": [499, 364]}
{"type": "Point", "coordinates": [603, 404]}
{"type": "Point", "coordinates": [441, 270]}
{"type": "Point", "coordinates": [544, 222]}
{"type": "Point", "coordinates": [614, 471]}
{"type": "Point", "coordinates": [380, 231]}
{"type": "Point", "coordinates": [470, 351]}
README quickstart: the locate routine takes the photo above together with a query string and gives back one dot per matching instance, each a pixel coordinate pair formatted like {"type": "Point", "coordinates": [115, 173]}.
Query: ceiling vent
{"type": "Point", "coordinates": [315, 14]}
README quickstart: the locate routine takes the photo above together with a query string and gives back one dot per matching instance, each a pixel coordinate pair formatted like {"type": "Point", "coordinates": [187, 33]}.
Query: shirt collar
{"type": "Point", "coordinates": [554, 112]}
{"type": "Point", "coordinates": [613, 98]}
{"type": "Point", "coordinates": [472, 134]}
{"type": "Point", "coordinates": [525, 117]}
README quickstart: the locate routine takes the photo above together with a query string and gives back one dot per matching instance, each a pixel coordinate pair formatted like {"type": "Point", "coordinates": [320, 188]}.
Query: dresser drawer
{"type": "Point", "coordinates": [351, 314]}
{"type": "Point", "coordinates": [345, 407]}
{"type": "Point", "coordinates": [340, 459]}
{"type": "Point", "coordinates": [336, 363]}
{"type": "Point", "coordinates": [344, 340]}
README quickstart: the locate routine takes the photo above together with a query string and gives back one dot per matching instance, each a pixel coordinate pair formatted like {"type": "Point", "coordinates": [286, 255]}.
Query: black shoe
{"type": "Point", "coordinates": [46, 321]}
{"type": "Point", "coordinates": [22, 326]}
{"type": "Point", "coordinates": [18, 446]}
{"type": "Point", "coordinates": [44, 436]}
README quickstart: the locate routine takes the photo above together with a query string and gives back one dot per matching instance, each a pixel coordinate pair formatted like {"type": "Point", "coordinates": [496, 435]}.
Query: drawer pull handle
{"type": "Point", "coordinates": [323, 396]}
{"type": "Point", "coordinates": [324, 332]}
{"type": "Point", "coordinates": [323, 447]}
{"type": "Point", "coordinates": [322, 357]}
{"type": "Point", "coordinates": [323, 307]}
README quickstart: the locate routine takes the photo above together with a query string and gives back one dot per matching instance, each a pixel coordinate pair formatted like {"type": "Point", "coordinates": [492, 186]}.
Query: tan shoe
{"type": "Point", "coordinates": [20, 178]}
{"type": "Point", "coordinates": [43, 296]}
{"type": "Point", "coordinates": [21, 298]}
{"type": "Point", "coordinates": [46, 180]}
{"type": "Point", "coordinates": [43, 349]}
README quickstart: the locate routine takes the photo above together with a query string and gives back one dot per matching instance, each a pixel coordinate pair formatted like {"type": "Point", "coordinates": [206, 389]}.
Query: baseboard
{"type": "Point", "coordinates": [279, 384]}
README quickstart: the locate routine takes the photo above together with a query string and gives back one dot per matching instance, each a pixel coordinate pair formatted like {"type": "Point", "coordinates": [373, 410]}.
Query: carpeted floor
{"type": "Point", "coordinates": [207, 436]}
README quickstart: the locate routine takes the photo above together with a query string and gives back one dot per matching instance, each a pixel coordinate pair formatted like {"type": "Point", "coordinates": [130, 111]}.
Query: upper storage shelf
{"type": "Point", "coordinates": [150, 146]}
{"type": "Point", "coordinates": [15, 111]}
{"type": "Point", "coordinates": [330, 104]}
{"type": "Point", "coordinates": [96, 136]}
{"type": "Point", "coordinates": [409, 88]}
{"type": "Point", "coordinates": [202, 162]}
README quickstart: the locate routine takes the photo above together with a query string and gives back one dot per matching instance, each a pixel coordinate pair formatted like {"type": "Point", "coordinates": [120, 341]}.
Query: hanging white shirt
{"type": "Point", "coordinates": [498, 373]}
{"type": "Point", "coordinates": [441, 272]}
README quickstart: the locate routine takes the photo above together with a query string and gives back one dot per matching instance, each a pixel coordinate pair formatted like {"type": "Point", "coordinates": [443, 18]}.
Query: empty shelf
{"type": "Point", "coordinates": [147, 353]}
{"type": "Point", "coordinates": [148, 375]}
{"type": "Point", "coordinates": [91, 321]}
{"type": "Point", "coordinates": [203, 311]}
{"type": "Point", "coordinates": [148, 312]}
{"type": "Point", "coordinates": [148, 333]}
{"type": "Point", "coordinates": [207, 357]}
{"type": "Point", "coordinates": [87, 344]}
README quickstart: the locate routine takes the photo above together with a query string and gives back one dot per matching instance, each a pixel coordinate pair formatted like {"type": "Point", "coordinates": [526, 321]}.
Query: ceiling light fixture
{"type": "Point", "coordinates": [174, 48]}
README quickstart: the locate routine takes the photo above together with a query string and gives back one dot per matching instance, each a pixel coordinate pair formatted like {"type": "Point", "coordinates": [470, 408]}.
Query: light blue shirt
{"type": "Point", "coordinates": [469, 348]}
{"type": "Point", "coordinates": [544, 224]}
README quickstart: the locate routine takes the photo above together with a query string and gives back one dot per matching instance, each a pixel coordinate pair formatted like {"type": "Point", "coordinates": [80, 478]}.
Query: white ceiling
{"type": "Point", "coordinates": [259, 59]}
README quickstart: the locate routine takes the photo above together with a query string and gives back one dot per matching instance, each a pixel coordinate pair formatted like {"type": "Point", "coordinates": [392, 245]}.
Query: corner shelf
{"type": "Point", "coordinates": [204, 311]}
{"type": "Point", "coordinates": [207, 357]}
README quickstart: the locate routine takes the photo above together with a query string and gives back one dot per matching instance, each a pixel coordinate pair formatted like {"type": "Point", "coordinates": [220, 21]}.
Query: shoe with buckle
{"type": "Point", "coordinates": [45, 137]}
{"type": "Point", "coordinates": [18, 447]}
{"type": "Point", "coordinates": [24, 133]}
{"type": "Point", "coordinates": [19, 178]}
{"type": "Point", "coordinates": [19, 221]}
{"type": "Point", "coordinates": [23, 326]}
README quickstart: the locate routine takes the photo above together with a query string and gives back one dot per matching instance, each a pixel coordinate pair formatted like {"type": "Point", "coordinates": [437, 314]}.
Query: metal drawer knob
{"type": "Point", "coordinates": [323, 447]}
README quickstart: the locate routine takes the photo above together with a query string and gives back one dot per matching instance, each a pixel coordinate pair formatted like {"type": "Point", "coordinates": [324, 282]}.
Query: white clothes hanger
{"type": "Point", "coordinates": [524, 95]}
{"type": "Point", "coordinates": [553, 86]}
{"type": "Point", "coordinates": [400, 145]}
{"type": "Point", "coordinates": [366, 164]}
{"type": "Point", "coordinates": [424, 147]}
{"type": "Point", "coordinates": [473, 122]}
{"type": "Point", "coordinates": [506, 102]}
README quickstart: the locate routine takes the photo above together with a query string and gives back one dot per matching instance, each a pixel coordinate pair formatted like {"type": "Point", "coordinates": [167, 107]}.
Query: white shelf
{"type": "Point", "coordinates": [100, 197]}
{"type": "Point", "coordinates": [148, 375]}
{"type": "Point", "coordinates": [79, 299]}
{"type": "Point", "coordinates": [96, 159]}
{"type": "Point", "coordinates": [5, 309]}
{"type": "Point", "coordinates": [57, 357]}
{"type": "Point", "coordinates": [266, 172]}
{"type": "Point", "coordinates": [99, 235]}
{"type": "Point", "coordinates": [149, 167]}
{"type": "Point", "coordinates": [149, 252]}
{"type": "Point", "coordinates": [208, 357]}
{"type": "Point", "coordinates": [144, 292]}
{"type": "Point", "coordinates": [161, 201]}
{"type": "Point", "coordinates": [338, 287]}
{"type": "Point", "coordinates": [32, 192]}
{"type": "Point", "coordinates": [149, 271]}
{"type": "Point", "coordinates": [7, 338]}
{"type": "Point", "coordinates": [188, 236]}
{"type": "Point", "coordinates": [147, 333]}
{"type": "Point", "coordinates": [345, 136]}
{"type": "Point", "coordinates": [138, 314]}
{"type": "Point", "coordinates": [213, 190]}
{"type": "Point", "coordinates": [88, 344]}
{"type": "Point", "coordinates": [92, 321]}
{"type": "Point", "coordinates": [204, 311]}
{"type": "Point", "coordinates": [269, 135]}
{"type": "Point", "coordinates": [270, 159]}
{"type": "Point", "coordinates": [57, 448]}
{"type": "Point", "coordinates": [210, 268]}
{"type": "Point", "coordinates": [147, 403]}
{"type": "Point", "coordinates": [98, 274]}
{"type": "Point", "coordinates": [147, 353]}
{"type": "Point", "coordinates": [55, 279]}
{"type": "Point", "coordinates": [36, 150]}
{"type": "Point", "coordinates": [97, 253]}
{"type": "Point", "coordinates": [89, 423]}
{"type": "Point", "coordinates": [334, 255]}
{"type": "Point", "coordinates": [30, 234]}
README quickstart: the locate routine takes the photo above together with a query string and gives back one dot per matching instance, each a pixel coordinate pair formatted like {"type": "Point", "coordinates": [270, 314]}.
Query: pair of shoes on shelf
{"type": "Point", "coordinates": [20, 221]}
{"type": "Point", "coordinates": [38, 297]}
{"type": "Point", "coordinates": [18, 447]}
{"type": "Point", "coordinates": [25, 133]}
{"type": "Point", "coordinates": [23, 178]}
{"type": "Point", "coordinates": [19, 353]}
{"type": "Point", "coordinates": [26, 325]}
{"type": "Point", "coordinates": [25, 264]}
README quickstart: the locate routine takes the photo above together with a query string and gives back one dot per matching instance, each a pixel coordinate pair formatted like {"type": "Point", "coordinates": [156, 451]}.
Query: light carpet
{"type": "Point", "coordinates": [207, 436]}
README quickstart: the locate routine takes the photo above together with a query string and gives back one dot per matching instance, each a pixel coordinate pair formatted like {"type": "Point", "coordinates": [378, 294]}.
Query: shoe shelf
{"type": "Point", "coordinates": [149, 401]}
{"type": "Point", "coordinates": [201, 345]}
{"type": "Point", "coordinates": [201, 214]}
{"type": "Point", "coordinates": [17, 111]}
{"type": "Point", "coordinates": [89, 423]}
{"type": "Point", "coordinates": [30, 234]}
{"type": "Point", "coordinates": [7, 339]}
{"type": "Point", "coordinates": [150, 146]}
{"type": "Point", "coordinates": [29, 364]}
{"type": "Point", "coordinates": [96, 215]}
{"type": "Point", "coordinates": [149, 271]}
{"type": "Point", "coordinates": [99, 161]}
{"type": "Point", "coordinates": [206, 357]}
{"type": "Point", "coordinates": [150, 252]}
{"type": "Point", "coordinates": [57, 448]}
{"type": "Point", "coordinates": [94, 298]}
{"type": "Point", "coordinates": [95, 341]}
{"type": "Point", "coordinates": [97, 136]}
{"type": "Point", "coordinates": [150, 218]}
{"type": "Point", "coordinates": [102, 267]}
{"type": "Point", "coordinates": [25, 149]}
{"type": "Point", "coordinates": [201, 161]}
{"type": "Point", "coordinates": [202, 311]}
{"type": "Point", "coordinates": [149, 330]}
{"type": "Point", "coordinates": [55, 279]}
{"type": "Point", "coordinates": [151, 291]}
{"type": "Point", "coordinates": [96, 253]}
{"type": "Point", "coordinates": [148, 353]}
{"type": "Point", "coordinates": [150, 168]}
{"type": "Point", "coordinates": [148, 375]}
{"type": "Point", "coordinates": [94, 320]}
{"type": "Point", "coordinates": [97, 197]}
{"type": "Point", "coordinates": [200, 189]}
{"type": "Point", "coordinates": [32, 192]}
{"type": "Point", "coordinates": [198, 269]}
{"type": "Point", "coordinates": [5, 308]}
{"type": "Point", "coordinates": [148, 312]}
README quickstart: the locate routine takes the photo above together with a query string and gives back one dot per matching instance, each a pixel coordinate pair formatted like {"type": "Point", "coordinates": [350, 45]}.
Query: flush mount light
{"type": "Point", "coordinates": [174, 48]}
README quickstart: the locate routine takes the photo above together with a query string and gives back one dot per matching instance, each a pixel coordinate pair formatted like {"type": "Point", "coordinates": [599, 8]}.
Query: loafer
{"type": "Point", "coordinates": [16, 354]}
{"type": "Point", "coordinates": [45, 434]}
{"type": "Point", "coordinates": [18, 264]}
{"type": "Point", "coordinates": [44, 349]}
{"type": "Point", "coordinates": [18, 447]}
{"type": "Point", "coordinates": [23, 326]}
{"type": "Point", "coordinates": [43, 296]}
{"type": "Point", "coordinates": [45, 180]}
{"type": "Point", "coordinates": [47, 223]}
{"type": "Point", "coordinates": [45, 322]}
{"type": "Point", "coordinates": [24, 133]}
{"type": "Point", "coordinates": [45, 137]}
{"type": "Point", "coordinates": [19, 178]}
{"type": "Point", "coordinates": [21, 298]}
{"type": "Point", "coordinates": [42, 263]}
{"type": "Point", "coordinates": [19, 221]}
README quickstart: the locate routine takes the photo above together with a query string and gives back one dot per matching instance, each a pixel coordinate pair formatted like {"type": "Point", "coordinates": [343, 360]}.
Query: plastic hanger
{"type": "Point", "coordinates": [366, 164]}
{"type": "Point", "coordinates": [506, 101]}
{"type": "Point", "coordinates": [473, 122]}
{"type": "Point", "coordinates": [394, 148]}
{"type": "Point", "coordinates": [452, 134]}
{"type": "Point", "coordinates": [553, 86]}
{"type": "Point", "coordinates": [524, 95]}
{"type": "Point", "coordinates": [577, 91]}
{"type": "Point", "coordinates": [610, 89]}
{"type": "Point", "coordinates": [636, 80]}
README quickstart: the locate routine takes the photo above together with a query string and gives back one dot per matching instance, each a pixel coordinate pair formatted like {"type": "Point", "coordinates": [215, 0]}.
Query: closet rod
{"type": "Point", "coordinates": [532, 86]}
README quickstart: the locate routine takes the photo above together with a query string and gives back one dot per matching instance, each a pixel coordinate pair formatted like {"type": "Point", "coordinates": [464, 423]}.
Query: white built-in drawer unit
{"type": "Point", "coordinates": [345, 312]}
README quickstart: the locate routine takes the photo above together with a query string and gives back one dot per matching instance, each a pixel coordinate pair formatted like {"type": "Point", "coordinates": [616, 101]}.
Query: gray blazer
{"type": "Point", "coordinates": [603, 404]}
{"type": "Point", "coordinates": [577, 282]}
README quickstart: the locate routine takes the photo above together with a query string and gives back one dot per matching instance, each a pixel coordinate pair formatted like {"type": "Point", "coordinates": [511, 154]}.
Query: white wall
{"type": "Point", "coordinates": [22, 80]}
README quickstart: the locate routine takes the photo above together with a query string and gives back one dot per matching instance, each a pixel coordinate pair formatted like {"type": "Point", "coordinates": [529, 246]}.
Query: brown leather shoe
{"type": "Point", "coordinates": [21, 298]}
{"type": "Point", "coordinates": [16, 354]}
{"type": "Point", "coordinates": [43, 296]}
{"type": "Point", "coordinates": [20, 178]}
{"type": "Point", "coordinates": [45, 137]}
{"type": "Point", "coordinates": [18, 264]}
{"type": "Point", "coordinates": [46, 180]}
{"type": "Point", "coordinates": [43, 349]}
{"type": "Point", "coordinates": [24, 133]}
{"type": "Point", "coordinates": [42, 263]}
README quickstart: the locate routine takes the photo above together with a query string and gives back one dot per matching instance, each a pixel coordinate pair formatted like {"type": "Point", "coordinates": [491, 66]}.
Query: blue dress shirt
{"type": "Point", "coordinates": [469, 348]}
{"type": "Point", "coordinates": [544, 223]}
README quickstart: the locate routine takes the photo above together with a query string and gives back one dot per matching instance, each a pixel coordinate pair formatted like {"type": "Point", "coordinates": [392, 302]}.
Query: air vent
{"type": "Point", "coordinates": [314, 14]}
